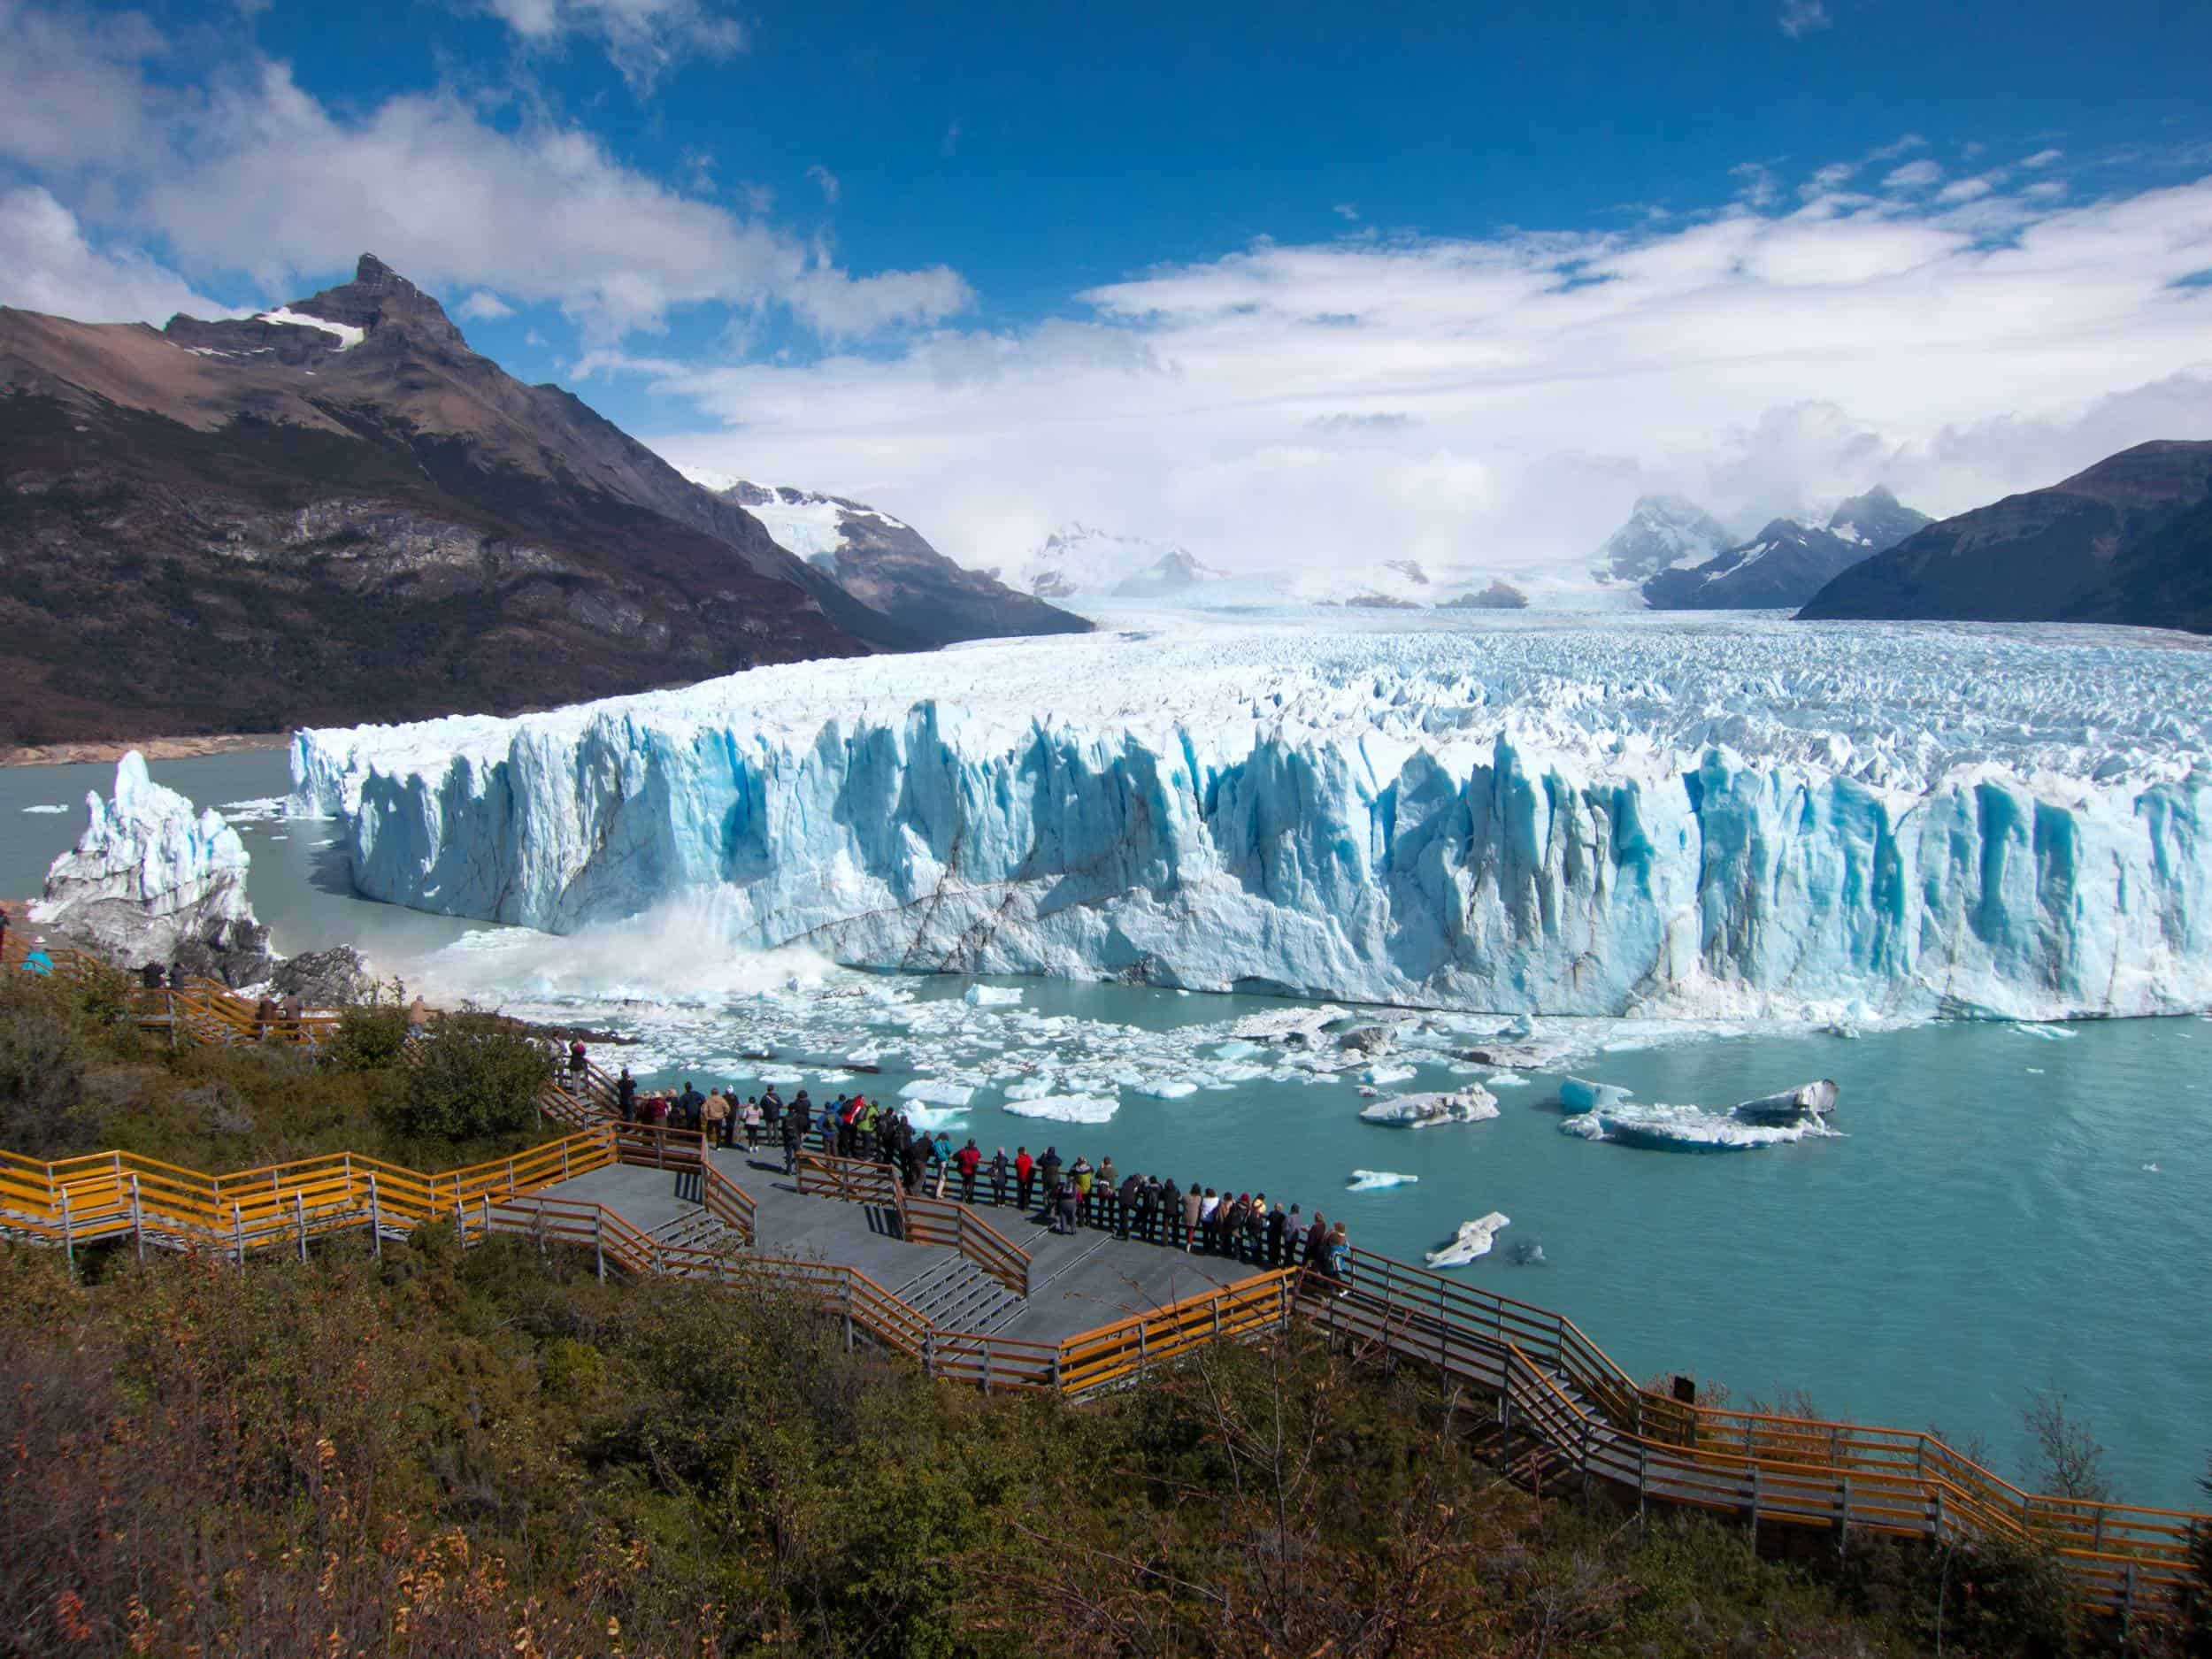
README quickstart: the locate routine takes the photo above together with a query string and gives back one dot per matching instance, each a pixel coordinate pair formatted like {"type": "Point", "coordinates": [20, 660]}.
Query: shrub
{"type": "Point", "coordinates": [41, 1063]}
{"type": "Point", "coordinates": [370, 1036]}
{"type": "Point", "coordinates": [475, 1074]}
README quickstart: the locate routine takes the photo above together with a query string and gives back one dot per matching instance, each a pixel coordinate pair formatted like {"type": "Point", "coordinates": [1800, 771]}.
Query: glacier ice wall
{"type": "Point", "coordinates": [1742, 820]}
{"type": "Point", "coordinates": [149, 873]}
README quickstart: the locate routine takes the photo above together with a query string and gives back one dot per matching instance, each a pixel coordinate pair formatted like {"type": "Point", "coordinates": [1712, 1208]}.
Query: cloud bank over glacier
{"type": "Point", "coordinates": [1738, 820]}
{"type": "Point", "coordinates": [1505, 398]}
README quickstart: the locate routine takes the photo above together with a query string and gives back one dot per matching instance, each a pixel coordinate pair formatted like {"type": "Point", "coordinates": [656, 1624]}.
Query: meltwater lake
{"type": "Point", "coordinates": [2006, 1209]}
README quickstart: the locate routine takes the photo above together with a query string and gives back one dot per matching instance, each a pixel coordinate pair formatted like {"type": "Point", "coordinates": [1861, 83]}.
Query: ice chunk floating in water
{"type": "Point", "coordinates": [1473, 1104]}
{"type": "Point", "coordinates": [992, 997]}
{"type": "Point", "coordinates": [1472, 1242]}
{"type": "Point", "coordinates": [1067, 1109]}
{"type": "Point", "coordinates": [1376, 1181]}
{"type": "Point", "coordinates": [1685, 1128]}
{"type": "Point", "coordinates": [1578, 1095]}
{"type": "Point", "coordinates": [1725, 819]}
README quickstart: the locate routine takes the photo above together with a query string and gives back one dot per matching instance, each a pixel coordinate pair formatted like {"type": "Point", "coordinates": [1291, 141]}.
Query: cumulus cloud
{"type": "Point", "coordinates": [2043, 159]}
{"type": "Point", "coordinates": [1500, 402]}
{"type": "Point", "coordinates": [1914, 175]}
{"type": "Point", "coordinates": [827, 179]}
{"type": "Point", "coordinates": [483, 307]}
{"type": "Point", "coordinates": [47, 265]}
{"type": "Point", "coordinates": [1801, 18]}
{"type": "Point", "coordinates": [253, 169]}
{"type": "Point", "coordinates": [641, 38]}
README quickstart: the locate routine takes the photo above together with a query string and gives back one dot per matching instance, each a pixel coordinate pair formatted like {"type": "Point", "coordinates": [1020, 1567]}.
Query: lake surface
{"type": "Point", "coordinates": [2007, 1209]}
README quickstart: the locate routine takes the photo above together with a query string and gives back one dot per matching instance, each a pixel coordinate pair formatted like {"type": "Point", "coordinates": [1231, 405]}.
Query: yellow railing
{"type": "Point", "coordinates": [1850, 1476]}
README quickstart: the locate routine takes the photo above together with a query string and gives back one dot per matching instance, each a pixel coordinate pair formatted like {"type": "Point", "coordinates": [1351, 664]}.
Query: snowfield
{"type": "Point", "coordinates": [1658, 817]}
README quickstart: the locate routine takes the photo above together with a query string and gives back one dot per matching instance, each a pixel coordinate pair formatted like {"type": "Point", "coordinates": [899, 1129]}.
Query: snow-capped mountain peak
{"type": "Point", "coordinates": [1662, 532]}
{"type": "Point", "coordinates": [1079, 561]}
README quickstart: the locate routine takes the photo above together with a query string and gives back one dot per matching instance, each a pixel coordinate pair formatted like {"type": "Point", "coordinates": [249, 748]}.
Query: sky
{"type": "Point", "coordinates": [1289, 285]}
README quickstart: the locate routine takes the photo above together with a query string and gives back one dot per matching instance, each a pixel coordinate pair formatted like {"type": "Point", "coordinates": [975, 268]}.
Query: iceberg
{"type": "Point", "coordinates": [1737, 819]}
{"type": "Point", "coordinates": [1067, 1109]}
{"type": "Point", "coordinates": [937, 1091]}
{"type": "Point", "coordinates": [152, 879]}
{"type": "Point", "coordinates": [1473, 1104]}
{"type": "Point", "coordinates": [1685, 1129]}
{"type": "Point", "coordinates": [1577, 1096]}
{"type": "Point", "coordinates": [1815, 1099]}
{"type": "Point", "coordinates": [992, 997]}
{"type": "Point", "coordinates": [1472, 1242]}
{"type": "Point", "coordinates": [1377, 1180]}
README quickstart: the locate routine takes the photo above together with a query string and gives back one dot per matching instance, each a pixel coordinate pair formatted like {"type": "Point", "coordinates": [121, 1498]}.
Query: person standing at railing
{"type": "Point", "coordinates": [1194, 1201]}
{"type": "Point", "coordinates": [998, 1178]}
{"type": "Point", "coordinates": [1282, 1234]}
{"type": "Point", "coordinates": [1202, 1239]}
{"type": "Point", "coordinates": [1024, 1170]}
{"type": "Point", "coordinates": [1339, 1260]}
{"type": "Point", "coordinates": [1066, 1206]}
{"type": "Point", "coordinates": [1105, 1190]}
{"type": "Point", "coordinates": [626, 1096]}
{"type": "Point", "coordinates": [917, 1161]}
{"type": "Point", "coordinates": [1167, 1210]}
{"type": "Point", "coordinates": [1256, 1230]}
{"type": "Point", "coordinates": [716, 1113]}
{"type": "Point", "coordinates": [794, 1132]}
{"type": "Point", "coordinates": [1317, 1241]}
{"type": "Point", "coordinates": [1049, 1174]}
{"type": "Point", "coordinates": [826, 1126]}
{"type": "Point", "coordinates": [578, 1061]}
{"type": "Point", "coordinates": [1085, 1178]}
{"type": "Point", "coordinates": [770, 1114]}
{"type": "Point", "coordinates": [755, 1121]}
{"type": "Point", "coordinates": [1125, 1199]}
{"type": "Point", "coordinates": [968, 1160]}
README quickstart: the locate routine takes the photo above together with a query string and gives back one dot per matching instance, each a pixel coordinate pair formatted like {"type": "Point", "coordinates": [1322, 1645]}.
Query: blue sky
{"type": "Point", "coordinates": [1154, 251]}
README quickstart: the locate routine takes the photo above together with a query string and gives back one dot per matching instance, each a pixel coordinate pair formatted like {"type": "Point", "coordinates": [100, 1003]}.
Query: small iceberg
{"type": "Point", "coordinates": [992, 997]}
{"type": "Point", "coordinates": [936, 1118]}
{"type": "Point", "coordinates": [1815, 1099]}
{"type": "Point", "coordinates": [1579, 1094]}
{"type": "Point", "coordinates": [1472, 1242]}
{"type": "Point", "coordinates": [1473, 1104]}
{"type": "Point", "coordinates": [1066, 1109]}
{"type": "Point", "coordinates": [2049, 1033]}
{"type": "Point", "coordinates": [937, 1091]}
{"type": "Point", "coordinates": [1376, 1181]}
{"type": "Point", "coordinates": [1685, 1129]}
{"type": "Point", "coordinates": [1530, 1255]}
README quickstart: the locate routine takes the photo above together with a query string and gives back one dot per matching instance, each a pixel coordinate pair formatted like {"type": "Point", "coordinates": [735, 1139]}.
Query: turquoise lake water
{"type": "Point", "coordinates": [2008, 1210]}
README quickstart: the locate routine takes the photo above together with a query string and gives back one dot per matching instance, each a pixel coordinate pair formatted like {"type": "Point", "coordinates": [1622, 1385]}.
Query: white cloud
{"type": "Point", "coordinates": [47, 264]}
{"type": "Point", "coordinates": [1464, 400]}
{"type": "Point", "coordinates": [641, 37]}
{"type": "Point", "coordinates": [251, 168]}
{"type": "Point", "coordinates": [827, 179]}
{"type": "Point", "coordinates": [2043, 159]}
{"type": "Point", "coordinates": [1904, 146]}
{"type": "Point", "coordinates": [1914, 175]}
{"type": "Point", "coordinates": [758, 198]}
{"type": "Point", "coordinates": [1966, 190]}
{"type": "Point", "coordinates": [1345, 210]}
{"type": "Point", "coordinates": [1801, 18]}
{"type": "Point", "coordinates": [483, 307]}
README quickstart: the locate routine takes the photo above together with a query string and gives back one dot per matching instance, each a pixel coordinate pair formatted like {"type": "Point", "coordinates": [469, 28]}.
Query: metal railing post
{"type": "Point", "coordinates": [599, 1243]}
{"type": "Point", "coordinates": [299, 1216]}
{"type": "Point", "coordinates": [238, 1229]}
{"type": "Point", "coordinates": [376, 1219]}
{"type": "Point", "coordinates": [564, 1158]}
{"type": "Point", "coordinates": [487, 1209]}
{"type": "Point", "coordinates": [68, 1232]}
{"type": "Point", "coordinates": [138, 1218]}
{"type": "Point", "coordinates": [511, 1181]}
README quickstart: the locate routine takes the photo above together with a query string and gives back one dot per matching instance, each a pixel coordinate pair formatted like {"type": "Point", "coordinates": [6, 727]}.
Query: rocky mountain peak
{"type": "Point", "coordinates": [380, 299]}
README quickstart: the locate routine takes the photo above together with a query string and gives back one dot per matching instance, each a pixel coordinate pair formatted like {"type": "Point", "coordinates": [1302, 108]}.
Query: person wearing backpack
{"type": "Point", "coordinates": [968, 1160]}
{"type": "Point", "coordinates": [939, 1161]}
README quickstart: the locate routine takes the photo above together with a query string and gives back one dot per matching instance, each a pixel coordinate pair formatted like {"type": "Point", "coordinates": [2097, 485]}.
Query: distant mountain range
{"type": "Point", "coordinates": [2127, 540]}
{"type": "Point", "coordinates": [884, 563]}
{"type": "Point", "coordinates": [1079, 562]}
{"type": "Point", "coordinates": [1789, 560]}
{"type": "Point", "coordinates": [1662, 532]}
{"type": "Point", "coordinates": [336, 511]}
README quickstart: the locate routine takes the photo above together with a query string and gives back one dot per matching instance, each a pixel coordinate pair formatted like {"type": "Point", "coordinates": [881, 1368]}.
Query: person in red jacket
{"type": "Point", "coordinates": [1024, 1172]}
{"type": "Point", "coordinates": [967, 1161]}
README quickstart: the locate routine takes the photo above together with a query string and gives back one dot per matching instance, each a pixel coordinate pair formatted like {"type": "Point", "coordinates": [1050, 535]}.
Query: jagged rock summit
{"type": "Point", "coordinates": [336, 509]}
{"type": "Point", "coordinates": [154, 880]}
{"type": "Point", "coordinates": [1789, 560]}
{"type": "Point", "coordinates": [1662, 532]}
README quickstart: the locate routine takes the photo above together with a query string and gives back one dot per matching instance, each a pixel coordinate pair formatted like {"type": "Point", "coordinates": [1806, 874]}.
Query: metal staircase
{"type": "Point", "coordinates": [955, 1294]}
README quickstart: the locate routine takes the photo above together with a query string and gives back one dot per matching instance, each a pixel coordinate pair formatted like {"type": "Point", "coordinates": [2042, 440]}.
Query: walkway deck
{"type": "Point", "coordinates": [1078, 1282]}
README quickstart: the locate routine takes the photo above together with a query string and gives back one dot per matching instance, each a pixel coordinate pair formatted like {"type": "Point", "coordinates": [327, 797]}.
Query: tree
{"type": "Point", "coordinates": [2069, 1460]}
{"type": "Point", "coordinates": [474, 1074]}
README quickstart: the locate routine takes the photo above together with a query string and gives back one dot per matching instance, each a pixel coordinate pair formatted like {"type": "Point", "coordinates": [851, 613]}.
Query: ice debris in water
{"type": "Point", "coordinates": [1376, 1181]}
{"type": "Point", "coordinates": [936, 1092]}
{"type": "Point", "coordinates": [1578, 1095]}
{"type": "Point", "coordinates": [1470, 1105]}
{"type": "Point", "coordinates": [992, 997]}
{"type": "Point", "coordinates": [1472, 1242]}
{"type": "Point", "coordinates": [1067, 1109]}
{"type": "Point", "coordinates": [1662, 1127]}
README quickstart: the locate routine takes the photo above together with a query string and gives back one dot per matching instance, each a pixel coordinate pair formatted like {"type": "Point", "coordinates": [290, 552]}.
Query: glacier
{"type": "Point", "coordinates": [151, 875]}
{"type": "Point", "coordinates": [1661, 818]}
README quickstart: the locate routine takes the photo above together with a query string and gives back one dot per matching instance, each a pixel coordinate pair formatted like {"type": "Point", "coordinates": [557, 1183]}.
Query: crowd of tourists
{"type": "Point", "coordinates": [1065, 1194]}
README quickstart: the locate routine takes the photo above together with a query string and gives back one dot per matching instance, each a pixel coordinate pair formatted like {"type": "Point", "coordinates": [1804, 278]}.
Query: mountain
{"type": "Point", "coordinates": [2129, 541]}
{"type": "Point", "coordinates": [337, 512]}
{"type": "Point", "coordinates": [1079, 562]}
{"type": "Point", "coordinates": [1662, 532]}
{"type": "Point", "coordinates": [1787, 562]}
{"type": "Point", "coordinates": [884, 563]}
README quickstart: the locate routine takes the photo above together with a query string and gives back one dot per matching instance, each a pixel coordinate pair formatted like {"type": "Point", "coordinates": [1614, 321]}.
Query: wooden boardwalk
{"type": "Point", "coordinates": [984, 1296]}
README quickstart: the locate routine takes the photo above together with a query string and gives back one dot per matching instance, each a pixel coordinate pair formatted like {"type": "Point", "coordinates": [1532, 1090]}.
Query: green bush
{"type": "Point", "coordinates": [474, 1074]}
{"type": "Point", "coordinates": [370, 1036]}
{"type": "Point", "coordinates": [41, 1063]}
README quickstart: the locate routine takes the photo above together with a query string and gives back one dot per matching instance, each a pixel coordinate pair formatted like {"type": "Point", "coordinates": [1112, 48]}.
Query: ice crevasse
{"type": "Point", "coordinates": [1735, 821]}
